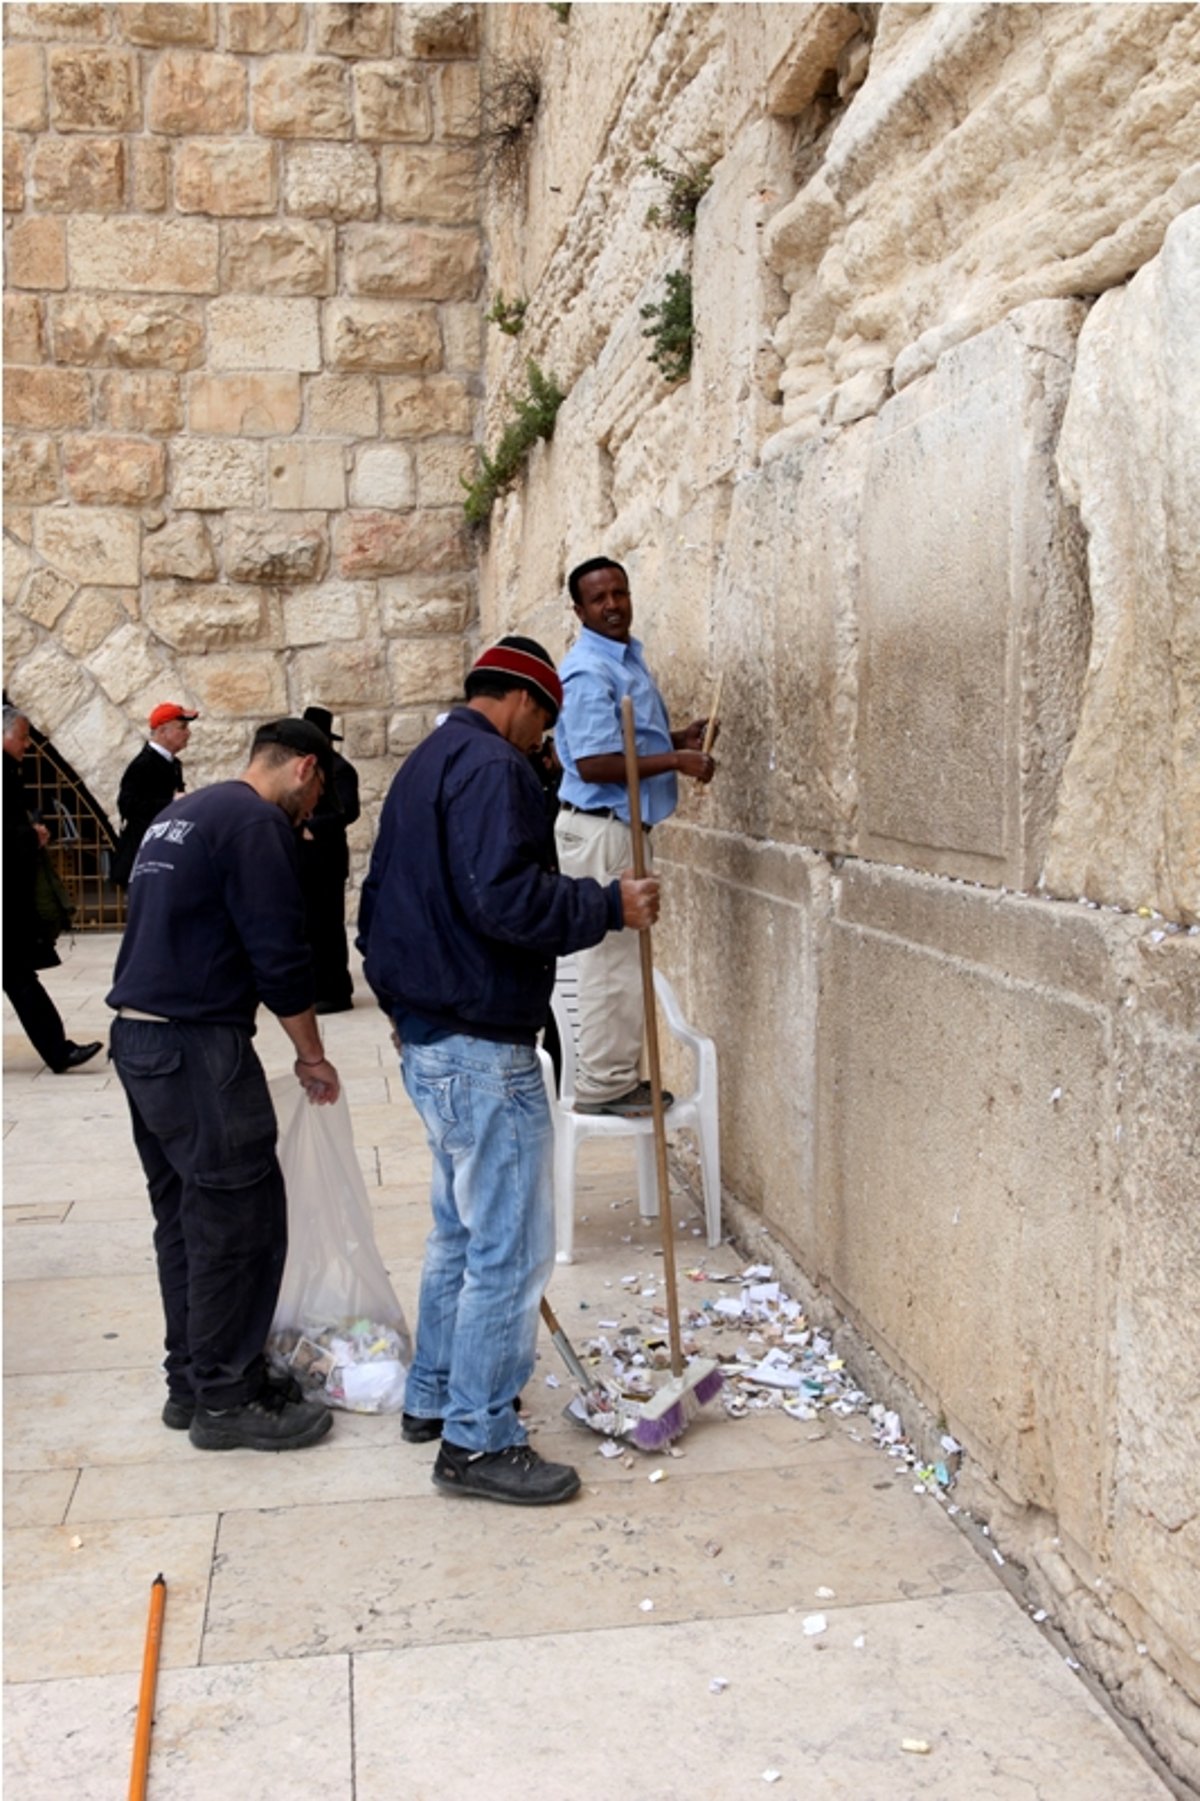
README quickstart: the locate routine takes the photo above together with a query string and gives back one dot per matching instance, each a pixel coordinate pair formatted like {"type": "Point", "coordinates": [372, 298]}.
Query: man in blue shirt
{"type": "Point", "coordinates": [593, 834]}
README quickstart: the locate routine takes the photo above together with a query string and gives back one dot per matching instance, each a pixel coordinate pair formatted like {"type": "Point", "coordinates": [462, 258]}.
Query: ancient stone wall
{"type": "Point", "coordinates": [927, 502]}
{"type": "Point", "coordinates": [242, 353]}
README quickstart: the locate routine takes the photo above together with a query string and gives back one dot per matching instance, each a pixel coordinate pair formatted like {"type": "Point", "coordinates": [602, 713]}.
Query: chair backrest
{"type": "Point", "coordinates": [565, 1004]}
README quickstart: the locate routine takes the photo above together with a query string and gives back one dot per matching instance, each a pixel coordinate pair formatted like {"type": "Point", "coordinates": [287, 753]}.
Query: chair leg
{"type": "Point", "coordinates": [564, 1194]}
{"type": "Point", "coordinates": [707, 1131]}
{"type": "Point", "coordinates": [647, 1175]}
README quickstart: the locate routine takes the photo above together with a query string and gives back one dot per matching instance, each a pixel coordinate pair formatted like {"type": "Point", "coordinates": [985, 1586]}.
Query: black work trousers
{"type": "Point", "coordinates": [205, 1131]}
{"type": "Point", "coordinates": [39, 1017]}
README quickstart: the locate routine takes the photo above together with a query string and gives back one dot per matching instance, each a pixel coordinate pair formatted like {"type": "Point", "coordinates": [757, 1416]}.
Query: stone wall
{"type": "Point", "coordinates": [242, 368]}
{"type": "Point", "coordinates": [927, 503]}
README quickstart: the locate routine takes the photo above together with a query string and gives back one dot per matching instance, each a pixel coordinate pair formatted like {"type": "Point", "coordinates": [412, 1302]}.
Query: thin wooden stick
{"type": "Point", "coordinates": [710, 730]}
{"type": "Point", "coordinates": [651, 1011]}
{"type": "Point", "coordinates": [145, 1719]}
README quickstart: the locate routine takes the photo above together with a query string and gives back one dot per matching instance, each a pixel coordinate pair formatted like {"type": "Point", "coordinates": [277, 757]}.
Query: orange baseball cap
{"type": "Point", "coordinates": [168, 710]}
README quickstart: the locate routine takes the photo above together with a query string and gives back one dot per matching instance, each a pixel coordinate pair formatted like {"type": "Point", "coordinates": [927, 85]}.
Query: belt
{"type": "Point", "coordinates": [158, 1019]}
{"type": "Point", "coordinates": [599, 813]}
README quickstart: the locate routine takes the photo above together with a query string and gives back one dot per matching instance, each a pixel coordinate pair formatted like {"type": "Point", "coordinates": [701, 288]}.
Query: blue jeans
{"type": "Point", "coordinates": [205, 1131]}
{"type": "Point", "coordinates": [491, 1250]}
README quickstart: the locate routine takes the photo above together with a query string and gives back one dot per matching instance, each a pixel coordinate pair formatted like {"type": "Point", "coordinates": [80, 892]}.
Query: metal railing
{"type": "Point", "coordinates": [81, 838]}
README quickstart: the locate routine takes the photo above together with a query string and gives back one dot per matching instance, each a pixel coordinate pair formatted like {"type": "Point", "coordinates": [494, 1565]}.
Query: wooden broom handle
{"type": "Point", "coordinates": [710, 730]}
{"type": "Point", "coordinates": [648, 1003]}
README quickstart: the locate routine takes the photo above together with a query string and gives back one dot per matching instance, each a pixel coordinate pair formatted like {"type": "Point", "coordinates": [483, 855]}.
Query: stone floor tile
{"type": "Point", "coordinates": [595, 1715]}
{"type": "Point", "coordinates": [81, 1247]}
{"type": "Point", "coordinates": [226, 1732]}
{"type": "Point", "coordinates": [82, 1323]}
{"type": "Point", "coordinates": [38, 1497]}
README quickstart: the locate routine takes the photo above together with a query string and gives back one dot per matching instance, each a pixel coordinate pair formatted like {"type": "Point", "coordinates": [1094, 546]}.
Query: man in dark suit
{"type": "Point", "coordinates": [150, 783]}
{"type": "Point", "coordinates": [324, 871]}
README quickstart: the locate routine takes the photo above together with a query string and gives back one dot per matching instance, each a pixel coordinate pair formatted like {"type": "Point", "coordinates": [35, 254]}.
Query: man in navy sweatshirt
{"type": "Point", "coordinates": [463, 914]}
{"type": "Point", "coordinates": [216, 926]}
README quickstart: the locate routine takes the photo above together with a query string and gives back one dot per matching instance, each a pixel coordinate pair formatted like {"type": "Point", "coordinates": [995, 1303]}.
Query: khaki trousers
{"type": "Point", "coordinates": [611, 1019]}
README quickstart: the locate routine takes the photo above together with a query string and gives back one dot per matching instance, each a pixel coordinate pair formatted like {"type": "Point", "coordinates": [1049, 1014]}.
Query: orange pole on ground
{"type": "Point", "coordinates": [145, 1719]}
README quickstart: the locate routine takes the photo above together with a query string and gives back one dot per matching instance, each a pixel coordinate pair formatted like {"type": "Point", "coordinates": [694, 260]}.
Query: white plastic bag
{"type": "Point", "coordinates": [338, 1327]}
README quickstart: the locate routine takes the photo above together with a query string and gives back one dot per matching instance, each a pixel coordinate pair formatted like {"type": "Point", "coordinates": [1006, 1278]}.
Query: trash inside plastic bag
{"type": "Point", "coordinates": [338, 1327]}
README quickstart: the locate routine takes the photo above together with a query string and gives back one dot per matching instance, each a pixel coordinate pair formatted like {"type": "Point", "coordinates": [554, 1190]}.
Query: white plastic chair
{"type": "Point", "coordinates": [695, 1111]}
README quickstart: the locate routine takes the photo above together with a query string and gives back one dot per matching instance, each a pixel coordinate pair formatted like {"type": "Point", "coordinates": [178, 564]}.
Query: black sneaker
{"type": "Point", "coordinates": [516, 1475]}
{"type": "Point", "coordinates": [178, 1412]}
{"type": "Point", "coordinates": [271, 1422]}
{"type": "Point", "coordinates": [415, 1430]}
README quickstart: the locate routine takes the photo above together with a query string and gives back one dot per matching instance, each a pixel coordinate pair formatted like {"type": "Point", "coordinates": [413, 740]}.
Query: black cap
{"type": "Point", "coordinates": [301, 736]}
{"type": "Point", "coordinates": [322, 718]}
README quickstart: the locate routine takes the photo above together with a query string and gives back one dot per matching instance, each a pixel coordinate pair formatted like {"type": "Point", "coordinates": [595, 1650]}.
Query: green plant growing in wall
{"type": "Point", "coordinates": [533, 417]}
{"type": "Point", "coordinates": [686, 188]}
{"type": "Point", "coordinates": [671, 327]}
{"type": "Point", "coordinates": [561, 10]}
{"type": "Point", "coordinates": [509, 315]}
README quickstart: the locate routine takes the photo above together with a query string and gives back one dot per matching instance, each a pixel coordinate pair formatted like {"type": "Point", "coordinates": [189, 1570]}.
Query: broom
{"type": "Point", "coordinates": [666, 1415]}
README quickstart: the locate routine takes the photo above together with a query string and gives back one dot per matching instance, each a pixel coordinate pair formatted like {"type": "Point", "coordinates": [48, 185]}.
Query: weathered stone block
{"type": "Point", "coordinates": [424, 406]}
{"type": "Point", "coordinates": [391, 101]}
{"type": "Point", "coordinates": [438, 31]}
{"type": "Point", "coordinates": [343, 405]}
{"type": "Point", "coordinates": [14, 173]}
{"type": "Point", "coordinates": [60, 20]}
{"type": "Point", "coordinates": [197, 616]}
{"type": "Point", "coordinates": [46, 596]}
{"type": "Point", "coordinates": [181, 547]}
{"type": "Point", "coordinates": [357, 30]}
{"type": "Point", "coordinates": [129, 663]}
{"type": "Point", "coordinates": [192, 91]}
{"type": "Point", "coordinates": [302, 97]}
{"type": "Point", "coordinates": [163, 334]}
{"type": "Point", "coordinates": [114, 472]}
{"type": "Point", "coordinates": [94, 90]}
{"type": "Point", "coordinates": [79, 175]}
{"type": "Point", "coordinates": [333, 610]}
{"type": "Point", "coordinates": [425, 671]}
{"type": "Point", "coordinates": [973, 644]}
{"type": "Point", "coordinates": [331, 181]}
{"type": "Point", "coordinates": [438, 182]}
{"type": "Point", "coordinates": [230, 179]}
{"type": "Point", "coordinates": [383, 477]}
{"type": "Point", "coordinates": [307, 476]}
{"type": "Point", "coordinates": [244, 406]}
{"type": "Point", "coordinates": [441, 469]}
{"type": "Point", "coordinates": [151, 166]}
{"type": "Point", "coordinates": [31, 476]}
{"type": "Point", "coordinates": [24, 337]}
{"type": "Point", "coordinates": [414, 606]}
{"type": "Point", "coordinates": [170, 256]}
{"type": "Point", "coordinates": [343, 674]}
{"type": "Point", "coordinates": [1128, 822]}
{"type": "Point", "coordinates": [381, 544]}
{"type": "Point", "coordinates": [463, 335]}
{"type": "Point", "coordinates": [92, 546]}
{"type": "Point", "coordinates": [15, 565]}
{"type": "Point", "coordinates": [456, 100]}
{"type": "Point", "coordinates": [140, 403]}
{"type": "Point", "coordinates": [94, 613]}
{"type": "Point", "coordinates": [53, 687]}
{"type": "Point", "coordinates": [282, 256]}
{"type": "Point", "coordinates": [47, 398]}
{"type": "Point", "coordinates": [244, 684]}
{"type": "Point", "coordinates": [412, 262]}
{"type": "Point", "coordinates": [248, 333]}
{"type": "Point", "coordinates": [24, 87]}
{"type": "Point", "coordinates": [210, 475]}
{"type": "Point", "coordinates": [262, 548]}
{"type": "Point", "coordinates": [173, 24]}
{"type": "Point", "coordinates": [21, 639]}
{"type": "Point", "coordinates": [380, 334]}
{"type": "Point", "coordinates": [259, 29]}
{"type": "Point", "coordinates": [36, 253]}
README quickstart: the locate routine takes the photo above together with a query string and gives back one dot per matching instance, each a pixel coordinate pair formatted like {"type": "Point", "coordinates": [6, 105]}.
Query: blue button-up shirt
{"type": "Point", "coordinates": [596, 674]}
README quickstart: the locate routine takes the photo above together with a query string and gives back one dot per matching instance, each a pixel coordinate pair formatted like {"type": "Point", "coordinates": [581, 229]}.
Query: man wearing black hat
{"type": "Point", "coordinates": [324, 870]}
{"type": "Point", "coordinates": [463, 914]}
{"type": "Point", "coordinates": [150, 782]}
{"type": "Point", "coordinates": [216, 927]}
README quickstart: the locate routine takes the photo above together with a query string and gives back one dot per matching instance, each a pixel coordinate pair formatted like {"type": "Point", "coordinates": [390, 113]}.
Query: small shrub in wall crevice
{"type": "Point", "coordinates": [533, 416]}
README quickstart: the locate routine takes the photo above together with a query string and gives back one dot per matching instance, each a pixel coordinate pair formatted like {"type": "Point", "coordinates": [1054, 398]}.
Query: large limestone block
{"type": "Point", "coordinates": [150, 165]}
{"type": "Point", "coordinates": [170, 256]}
{"type": "Point", "coordinates": [79, 175]}
{"type": "Point", "coordinates": [248, 332]}
{"type": "Point", "coordinates": [173, 24]}
{"type": "Point", "coordinates": [439, 28]}
{"type": "Point", "coordinates": [102, 470]}
{"type": "Point", "coordinates": [24, 87]}
{"type": "Point", "coordinates": [307, 475]}
{"type": "Point", "coordinates": [388, 335]}
{"type": "Point", "coordinates": [66, 20]}
{"type": "Point", "coordinates": [94, 90]}
{"type": "Point", "coordinates": [1128, 824]}
{"type": "Point", "coordinates": [383, 476]}
{"type": "Point", "coordinates": [180, 547]}
{"type": "Point", "coordinates": [412, 262]}
{"type": "Point", "coordinates": [425, 671]}
{"type": "Point", "coordinates": [344, 406]}
{"type": "Point", "coordinates": [195, 92]}
{"type": "Point", "coordinates": [443, 471]}
{"type": "Point", "coordinates": [137, 334]}
{"type": "Point", "coordinates": [263, 548]}
{"type": "Point", "coordinates": [89, 544]}
{"type": "Point", "coordinates": [279, 256]}
{"type": "Point", "coordinates": [88, 737]}
{"type": "Point", "coordinates": [412, 605]}
{"type": "Point", "coordinates": [31, 470]}
{"type": "Point", "coordinates": [331, 181]}
{"type": "Point", "coordinates": [966, 1216]}
{"type": "Point", "coordinates": [328, 611]}
{"type": "Point", "coordinates": [974, 617]}
{"type": "Point", "coordinates": [196, 616]}
{"type": "Point", "coordinates": [48, 398]}
{"type": "Point", "coordinates": [344, 674]}
{"type": "Point", "coordinates": [435, 181]}
{"type": "Point", "coordinates": [356, 30]}
{"type": "Point", "coordinates": [24, 329]}
{"type": "Point", "coordinates": [46, 596]}
{"type": "Point", "coordinates": [14, 173]}
{"type": "Point", "coordinates": [375, 543]}
{"type": "Point", "coordinates": [425, 406]}
{"type": "Point", "coordinates": [243, 684]}
{"type": "Point", "coordinates": [50, 685]}
{"type": "Point", "coordinates": [140, 403]}
{"type": "Point", "coordinates": [35, 253]}
{"type": "Point", "coordinates": [262, 28]}
{"type": "Point", "coordinates": [1156, 1533]}
{"type": "Point", "coordinates": [301, 97]}
{"type": "Point", "coordinates": [252, 405]}
{"type": "Point", "coordinates": [94, 613]}
{"type": "Point", "coordinates": [457, 93]}
{"type": "Point", "coordinates": [391, 101]}
{"type": "Point", "coordinates": [228, 178]}
{"type": "Point", "coordinates": [210, 475]}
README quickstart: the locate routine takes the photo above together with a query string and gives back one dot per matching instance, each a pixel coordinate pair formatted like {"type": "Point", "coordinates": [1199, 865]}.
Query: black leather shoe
{"type": "Point", "coordinates": [178, 1413]}
{"type": "Point", "coordinates": [77, 1054]}
{"type": "Point", "coordinates": [516, 1475]}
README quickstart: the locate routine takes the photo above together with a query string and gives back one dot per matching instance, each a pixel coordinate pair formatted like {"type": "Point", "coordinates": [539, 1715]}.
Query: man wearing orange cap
{"type": "Point", "coordinates": [150, 783]}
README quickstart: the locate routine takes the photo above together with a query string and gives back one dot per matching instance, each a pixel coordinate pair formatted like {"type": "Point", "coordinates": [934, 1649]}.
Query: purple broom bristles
{"type": "Point", "coordinates": [667, 1416]}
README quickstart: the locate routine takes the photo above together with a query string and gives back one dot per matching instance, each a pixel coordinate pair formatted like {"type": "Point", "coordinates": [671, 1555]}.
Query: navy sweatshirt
{"type": "Point", "coordinates": [216, 919]}
{"type": "Point", "coordinates": [463, 913]}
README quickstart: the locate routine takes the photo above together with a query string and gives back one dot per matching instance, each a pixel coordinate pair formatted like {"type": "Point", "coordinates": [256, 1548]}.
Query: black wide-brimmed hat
{"type": "Point", "coordinates": [322, 718]}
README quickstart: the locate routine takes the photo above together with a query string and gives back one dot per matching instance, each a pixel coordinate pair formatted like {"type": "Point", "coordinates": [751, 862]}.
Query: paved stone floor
{"type": "Point", "coordinates": [337, 1630]}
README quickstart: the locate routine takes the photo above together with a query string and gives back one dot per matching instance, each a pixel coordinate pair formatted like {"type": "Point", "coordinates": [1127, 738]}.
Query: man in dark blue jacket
{"type": "Point", "coordinates": [462, 917]}
{"type": "Point", "coordinates": [216, 925]}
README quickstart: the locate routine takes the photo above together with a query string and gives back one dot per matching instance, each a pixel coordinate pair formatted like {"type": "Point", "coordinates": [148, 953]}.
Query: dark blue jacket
{"type": "Point", "coordinates": [462, 913]}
